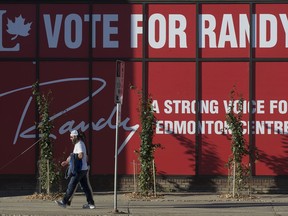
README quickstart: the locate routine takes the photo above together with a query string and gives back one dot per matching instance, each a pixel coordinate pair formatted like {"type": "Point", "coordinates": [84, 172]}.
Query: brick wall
{"type": "Point", "coordinates": [193, 184]}
{"type": "Point", "coordinates": [23, 184]}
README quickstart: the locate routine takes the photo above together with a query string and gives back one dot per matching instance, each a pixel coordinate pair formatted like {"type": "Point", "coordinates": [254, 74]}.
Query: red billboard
{"type": "Point", "coordinates": [271, 124]}
{"type": "Point", "coordinates": [17, 30]}
{"type": "Point", "coordinates": [175, 113]}
{"type": "Point", "coordinates": [18, 117]}
{"type": "Point", "coordinates": [182, 54]}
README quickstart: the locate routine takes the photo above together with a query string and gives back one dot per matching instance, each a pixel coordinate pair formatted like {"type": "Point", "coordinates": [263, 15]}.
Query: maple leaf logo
{"type": "Point", "coordinates": [18, 28]}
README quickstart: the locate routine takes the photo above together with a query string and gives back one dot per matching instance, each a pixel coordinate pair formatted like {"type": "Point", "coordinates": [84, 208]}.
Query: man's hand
{"type": "Point", "coordinates": [80, 155]}
{"type": "Point", "coordinates": [64, 163]}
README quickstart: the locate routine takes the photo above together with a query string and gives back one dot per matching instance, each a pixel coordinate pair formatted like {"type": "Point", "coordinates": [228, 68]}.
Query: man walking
{"type": "Point", "coordinates": [78, 170]}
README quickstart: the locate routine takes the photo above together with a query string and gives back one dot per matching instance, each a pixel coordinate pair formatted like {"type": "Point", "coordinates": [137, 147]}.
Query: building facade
{"type": "Point", "coordinates": [186, 55]}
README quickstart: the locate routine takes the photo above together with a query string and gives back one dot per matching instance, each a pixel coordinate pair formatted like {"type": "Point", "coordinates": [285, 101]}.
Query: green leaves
{"type": "Point", "coordinates": [45, 126]}
{"type": "Point", "coordinates": [239, 146]}
{"type": "Point", "coordinates": [238, 143]}
{"type": "Point", "coordinates": [147, 148]}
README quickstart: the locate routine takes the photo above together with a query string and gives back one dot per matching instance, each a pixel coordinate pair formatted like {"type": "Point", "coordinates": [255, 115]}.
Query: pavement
{"type": "Point", "coordinates": [200, 204]}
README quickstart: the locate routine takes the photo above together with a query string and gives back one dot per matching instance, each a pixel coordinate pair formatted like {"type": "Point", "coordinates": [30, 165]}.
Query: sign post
{"type": "Point", "coordinates": [118, 99]}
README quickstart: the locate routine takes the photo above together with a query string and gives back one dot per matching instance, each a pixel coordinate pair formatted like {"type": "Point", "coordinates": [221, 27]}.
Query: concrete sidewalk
{"type": "Point", "coordinates": [167, 204]}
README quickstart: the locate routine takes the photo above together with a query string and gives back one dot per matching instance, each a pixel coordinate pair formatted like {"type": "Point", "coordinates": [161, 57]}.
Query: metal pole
{"type": "Point", "coordinates": [234, 176]}
{"type": "Point", "coordinates": [116, 159]}
{"type": "Point", "coordinates": [134, 170]}
{"type": "Point", "coordinates": [48, 179]}
{"type": "Point", "coordinates": [154, 176]}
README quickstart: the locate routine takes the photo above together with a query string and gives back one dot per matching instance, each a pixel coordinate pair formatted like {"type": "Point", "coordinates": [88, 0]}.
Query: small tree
{"type": "Point", "coordinates": [48, 172]}
{"type": "Point", "coordinates": [147, 147]}
{"type": "Point", "coordinates": [239, 147]}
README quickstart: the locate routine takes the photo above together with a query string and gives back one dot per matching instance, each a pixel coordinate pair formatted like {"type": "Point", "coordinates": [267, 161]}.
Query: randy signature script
{"type": "Point", "coordinates": [68, 126]}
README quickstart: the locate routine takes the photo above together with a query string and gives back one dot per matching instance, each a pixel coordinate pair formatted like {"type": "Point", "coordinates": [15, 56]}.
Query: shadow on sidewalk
{"type": "Point", "coordinates": [231, 205]}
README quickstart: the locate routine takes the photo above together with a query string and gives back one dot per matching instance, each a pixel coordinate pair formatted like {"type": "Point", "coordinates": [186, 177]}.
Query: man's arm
{"type": "Point", "coordinates": [66, 162]}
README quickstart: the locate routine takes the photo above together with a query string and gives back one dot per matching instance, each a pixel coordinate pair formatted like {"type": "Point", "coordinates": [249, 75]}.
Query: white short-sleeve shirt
{"type": "Point", "coordinates": [78, 148]}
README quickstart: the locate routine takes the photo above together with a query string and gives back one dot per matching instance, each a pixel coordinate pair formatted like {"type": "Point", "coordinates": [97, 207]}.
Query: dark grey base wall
{"type": "Point", "coordinates": [213, 184]}
{"type": "Point", "coordinates": [11, 185]}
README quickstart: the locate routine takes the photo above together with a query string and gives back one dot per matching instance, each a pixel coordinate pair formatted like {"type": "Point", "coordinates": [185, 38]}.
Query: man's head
{"type": "Point", "coordinates": [74, 136]}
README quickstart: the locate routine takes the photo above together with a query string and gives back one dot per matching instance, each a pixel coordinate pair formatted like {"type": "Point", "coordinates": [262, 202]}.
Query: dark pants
{"type": "Point", "coordinates": [80, 177]}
